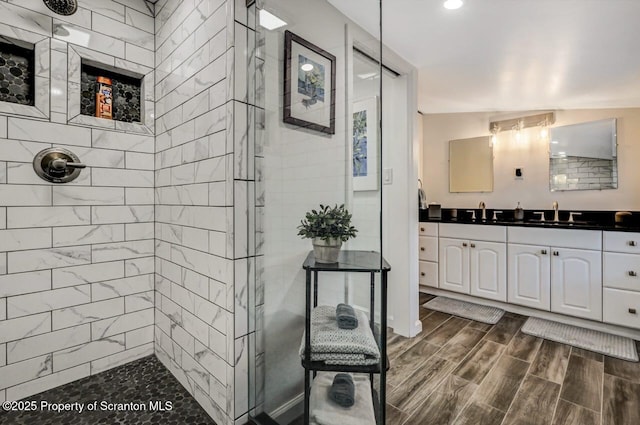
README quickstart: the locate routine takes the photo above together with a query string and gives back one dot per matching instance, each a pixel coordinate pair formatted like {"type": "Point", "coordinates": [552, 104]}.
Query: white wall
{"type": "Point", "coordinates": [531, 154]}
{"type": "Point", "coordinates": [76, 260]}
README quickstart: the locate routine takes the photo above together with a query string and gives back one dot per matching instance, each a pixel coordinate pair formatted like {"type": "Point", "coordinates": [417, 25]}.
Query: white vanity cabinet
{"type": "Point", "coordinates": [475, 265]}
{"type": "Point", "coordinates": [621, 279]}
{"type": "Point", "coordinates": [550, 270]}
{"type": "Point", "coordinates": [428, 254]}
{"type": "Point", "coordinates": [529, 281]}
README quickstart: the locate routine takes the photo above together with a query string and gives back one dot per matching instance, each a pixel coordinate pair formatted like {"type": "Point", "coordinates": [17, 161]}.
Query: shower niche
{"type": "Point", "coordinates": [17, 76]}
{"type": "Point", "coordinates": [126, 93]}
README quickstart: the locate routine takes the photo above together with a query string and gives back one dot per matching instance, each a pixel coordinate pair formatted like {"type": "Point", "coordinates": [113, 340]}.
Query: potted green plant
{"type": "Point", "coordinates": [327, 228]}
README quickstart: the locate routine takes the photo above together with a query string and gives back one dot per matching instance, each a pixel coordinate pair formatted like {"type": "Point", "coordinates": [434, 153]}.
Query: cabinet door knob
{"type": "Point", "coordinates": [632, 273]}
{"type": "Point", "coordinates": [473, 245]}
{"type": "Point", "coordinates": [556, 253]}
{"type": "Point", "coordinates": [464, 244]}
{"type": "Point", "coordinates": [543, 252]}
{"type": "Point", "coordinates": [421, 248]}
{"type": "Point", "coordinates": [423, 274]}
{"type": "Point", "coordinates": [632, 243]}
{"type": "Point", "coordinates": [632, 311]}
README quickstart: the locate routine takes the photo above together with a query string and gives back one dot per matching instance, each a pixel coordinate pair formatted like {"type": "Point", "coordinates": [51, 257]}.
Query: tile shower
{"type": "Point", "coordinates": [150, 250]}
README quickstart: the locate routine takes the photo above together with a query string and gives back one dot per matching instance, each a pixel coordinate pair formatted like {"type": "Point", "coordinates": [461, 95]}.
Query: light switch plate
{"type": "Point", "coordinates": [387, 176]}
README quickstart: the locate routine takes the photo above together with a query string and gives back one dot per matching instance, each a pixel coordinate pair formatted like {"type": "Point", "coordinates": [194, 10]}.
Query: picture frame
{"type": "Point", "coordinates": [365, 144]}
{"type": "Point", "coordinates": [309, 85]}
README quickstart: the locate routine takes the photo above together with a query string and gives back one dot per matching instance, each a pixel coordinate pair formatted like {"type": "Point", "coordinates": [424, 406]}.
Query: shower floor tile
{"type": "Point", "coordinates": [139, 382]}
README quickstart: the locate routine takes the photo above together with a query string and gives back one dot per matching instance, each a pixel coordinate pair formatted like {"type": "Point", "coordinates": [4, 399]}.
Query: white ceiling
{"type": "Point", "coordinates": [501, 55]}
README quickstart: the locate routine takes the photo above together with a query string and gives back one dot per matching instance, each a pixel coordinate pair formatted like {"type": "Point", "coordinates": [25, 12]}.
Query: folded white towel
{"type": "Point", "coordinates": [323, 411]}
{"type": "Point", "coordinates": [337, 346]}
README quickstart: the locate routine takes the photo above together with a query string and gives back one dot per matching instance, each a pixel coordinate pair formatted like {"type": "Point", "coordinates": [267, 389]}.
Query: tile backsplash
{"type": "Point", "coordinates": [76, 260]}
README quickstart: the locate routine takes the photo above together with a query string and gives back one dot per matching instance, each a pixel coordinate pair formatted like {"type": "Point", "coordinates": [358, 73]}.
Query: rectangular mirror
{"type": "Point", "coordinates": [471, 165]}
{"type": "Point", "coordinates": [583, 156]}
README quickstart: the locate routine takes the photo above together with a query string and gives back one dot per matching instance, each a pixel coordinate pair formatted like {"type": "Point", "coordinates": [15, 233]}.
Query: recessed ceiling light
{"type": "Point", "coordinates": [306, 67]}
{"type": "Point", "coordinates": [270, 21]}
{"type": "Point", "coordinates": [453, 4]}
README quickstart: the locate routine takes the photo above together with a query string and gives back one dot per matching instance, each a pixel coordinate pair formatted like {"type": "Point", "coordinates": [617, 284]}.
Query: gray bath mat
{"type": "Point", "coordinates": [600, 342]}
{"type": "Point", "coordinates": [479, 313]}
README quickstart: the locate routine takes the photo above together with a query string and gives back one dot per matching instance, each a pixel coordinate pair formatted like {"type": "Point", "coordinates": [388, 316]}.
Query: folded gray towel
{"type": "Point", "coordinates": [343, 390]}
{"type": "Point", "coordinates": [336, 346]}
{"type": "Point", "coordinates": [346, 316]}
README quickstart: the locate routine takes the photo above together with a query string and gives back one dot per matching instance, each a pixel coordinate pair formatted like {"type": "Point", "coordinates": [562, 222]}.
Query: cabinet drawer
{"type": "Point", "coordinates": [476, 232]}
{"type": "Point", "coordinates": [428, 273]}
{"type": "Point", "coordinates": [622, 242]}
{"type": "Point", "coordinates": [621, 271]}
{"type": "Point", "coordinates": [561, 238]}
{"type": "Point", "coordinates": [428, 229]}
{"type": "Point", "coordinates": [621, 307]}
{"type": "Point", "coordinates": [428, 249]}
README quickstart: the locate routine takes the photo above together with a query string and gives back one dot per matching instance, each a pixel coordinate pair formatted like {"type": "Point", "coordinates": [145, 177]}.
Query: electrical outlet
{"type": "Point", "coordinates": [518, 173]}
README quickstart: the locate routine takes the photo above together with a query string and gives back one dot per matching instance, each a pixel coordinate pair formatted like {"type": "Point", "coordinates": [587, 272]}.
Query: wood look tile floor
{"type": "Point", "coordinates": [461, 372]}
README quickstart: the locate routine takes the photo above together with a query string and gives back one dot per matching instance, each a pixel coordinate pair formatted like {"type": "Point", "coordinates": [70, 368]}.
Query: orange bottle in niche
{"type": "Point", "coordinates": [104, 98]}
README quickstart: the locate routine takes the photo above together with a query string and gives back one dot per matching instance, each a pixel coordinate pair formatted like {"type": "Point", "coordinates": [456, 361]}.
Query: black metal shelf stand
{"type": "Point", "coordinates": [349, 262]}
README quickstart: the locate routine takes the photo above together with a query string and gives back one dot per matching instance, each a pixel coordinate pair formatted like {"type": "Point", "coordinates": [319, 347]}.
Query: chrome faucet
{"type": "Point", "coordinates": [484, 211]}
{"type": "Point", "coordinates": [555, 211]}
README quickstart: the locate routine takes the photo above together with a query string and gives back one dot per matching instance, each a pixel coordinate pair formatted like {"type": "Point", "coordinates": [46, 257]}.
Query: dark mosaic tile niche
{"type": "Point", "coordinates": [126, 94]}
{"type": "Point", "coordinates": [16, 74]}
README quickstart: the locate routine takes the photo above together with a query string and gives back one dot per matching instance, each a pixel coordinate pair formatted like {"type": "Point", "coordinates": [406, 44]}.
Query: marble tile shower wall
{"type": "Point", "coordinates": [204, 185]}
{"type": "Point", "coordinates": [76, 260]}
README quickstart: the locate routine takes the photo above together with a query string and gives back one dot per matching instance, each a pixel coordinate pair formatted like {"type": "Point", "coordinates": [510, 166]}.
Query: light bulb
{"type": "Point", "coordinates": [453, 4]}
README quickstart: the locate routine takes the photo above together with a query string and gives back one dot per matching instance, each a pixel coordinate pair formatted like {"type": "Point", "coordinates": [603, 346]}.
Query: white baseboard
{"type": "Point", "coordinates": [526, 311]}
{"type": "Point", "coordinates": [289, 411]}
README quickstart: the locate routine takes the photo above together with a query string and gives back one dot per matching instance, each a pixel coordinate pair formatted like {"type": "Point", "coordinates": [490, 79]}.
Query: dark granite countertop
{"type": "Point", "coordinates": [588, 220]}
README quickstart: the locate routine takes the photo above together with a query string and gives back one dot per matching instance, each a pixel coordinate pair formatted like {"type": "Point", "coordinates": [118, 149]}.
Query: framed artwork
{"type": "Point", "coordinates": [309, 85]}
{"type": "Point", "coordinates": [365, 144]}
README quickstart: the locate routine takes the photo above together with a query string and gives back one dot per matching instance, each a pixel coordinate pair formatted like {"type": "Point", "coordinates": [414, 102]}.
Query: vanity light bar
{"type": "Point", "coordinates": [546, 118]}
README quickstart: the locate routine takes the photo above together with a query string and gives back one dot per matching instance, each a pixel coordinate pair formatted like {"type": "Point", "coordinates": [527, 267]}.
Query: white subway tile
{"type": "Point", "coordinates": [24, 283]}
{"type": "Point", "coordinates": [137, 54]}
{"type": "Point", "coordinates": [121, 358]}
{"type": "Point", "coordinates": [3, 172]}
{"type": "Point", "coordinates": [3, 263]}
{"type": "Point", "coordinates": [210, 170]}
{"type": "Point", "coordinates": [41, 259]}
{"type": "Point", "coordinates": [211, 122]}
{"type": "Point", "coordinates": [138, 266]}
{"type": "Point", "coordinates": [139, 337]}
{"type": "Point", "coordinates": [3, 218]}
{"type": "Point", "coordinates": [124, 32]}
{"type": "Point", "coordinates": [123, 214]}
{"type": "Point", "coordinates": [183, 338]}
{"type": "Point", "coordinates": [121, 178]}
{"type": "Point", "coordinates": [50, 381]}
{"type": "Point", "coordinates": [139, 20]}
{"type": "Point", "coordinates": [195, 238]}
{"type": "Point", "coordinates": [47, 343]}
{"type": "Point", "coordinates": [81, 17]}
{"type": "Point", "coordinates": [122, 250]}
{"type": "Point", "coordinates": [96, 41]}
{"type": "Point", "coordinates": [195, 327]}
{"type": "Point", "coordinates": [122, 287]}
{"type": "Point", "coordinates": [93, 157]}
{"type": "Point", "coordinates": [3, 128]}
{"type": "Point", "coordinates": [105, 7]}
{"type": "Point", "coordinates": [18, 217]}
{"type": "Point", "coordinates": [26, 19]}
{"type": "Point", "coordinates": [214, 364]}
{"type": "Point", "coordinates": [136, 302]}
{"type": "Point", "coordinates": [139, 196]}
{"type": "Point", "coordinates": [14, 240]}
{"type": "Point", "coordinates": [17, 373]}
{"type": "Point", "coordinates": [70, 195]}
{"type": "Point", "coordinates": [87, 313]}
{"type": "Point", "coordinates": [24, 195]}
{"type": "Point", "coordinates": [39, 302]}
{"type": "Point", "coordinates": [91, 273]}
{"type": "Point", "coordinates": [195, 282]}
{"type": "Point", "coordinates": [218, 243]}
{"type": "Point", "coordinates": [218, 342]}
{"type": "Point", "coordinates": [139, 161]}
{"type": "Point", "coordinates": [120, 324]}
{"type": "Point", "coordinates": [84, 235]}
{"type": "Point", "coordinates": [210, 313]}
{"type": "Point", "coordinates": [24, 327]}
{"type": "Point", "coordinates": [22, 173]}
{"type": "Point", "coordinates": [3, 316]}
{"type": "Point", "coordinates": [40, 131]}
{"type": "Point", "coordinates": [139, 5]}
{"type": "Point", "coordinates": [122, 141]}
{"type": "Point", "coordinates": [137, 231]}
{"type": "Point", "coordinates": [84, 353]}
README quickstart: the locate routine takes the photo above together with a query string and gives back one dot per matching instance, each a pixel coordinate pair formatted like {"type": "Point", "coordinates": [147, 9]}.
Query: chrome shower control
{"type": "Point", "coordinates": [57, 165]}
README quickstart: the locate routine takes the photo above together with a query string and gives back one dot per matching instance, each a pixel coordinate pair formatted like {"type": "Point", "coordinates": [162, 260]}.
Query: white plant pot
{"type": "Point", "coordinates": [326, 251]}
